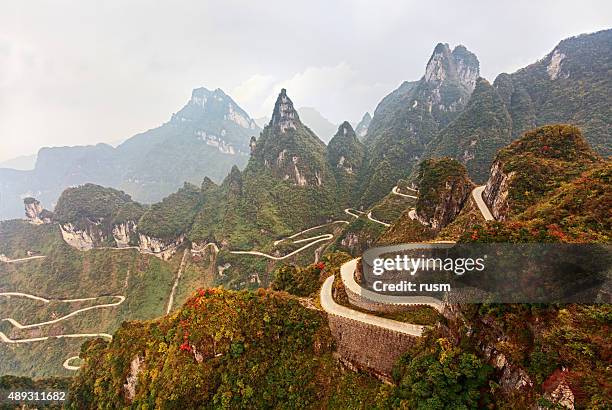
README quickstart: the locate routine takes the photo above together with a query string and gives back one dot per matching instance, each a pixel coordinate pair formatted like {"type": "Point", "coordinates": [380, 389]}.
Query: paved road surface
{"type": "Point", "coordinates": [67, 365]}
{"type": "Point", "coordinates": [396, 191]}
{"type": "Point", "coordinates": [5, 338]}
{"type": "Point", "coordinates": [331, 307]}
{"type": "Point", "coordinates": [18, 325]}
{"type": "Point", "coordinates": [6, 260]}
{"type": "Point", "coordinates": [347, 271]}
{"type": "Point", "coordinates": [371, 218]}
{"type": "Point", "coordinates": [484, 209]}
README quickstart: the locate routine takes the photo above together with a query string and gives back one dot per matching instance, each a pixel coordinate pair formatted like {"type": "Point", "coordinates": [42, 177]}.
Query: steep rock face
{"type": "Point", "coordinates": [496, 191]}
{"type": "Point", "coordinates": [536, 164]}
{"type": "Point", "coordinates": [406, 120]}
{"type": "Point", "coordinates": [361, 129]}
{"type": "Point", "coordinates": [290, 150]}
{"type": "Point", "coordinates": [124, 233]}
{"type": "Point", "coordinates": [345, 155]}
{"type": "Point", "coordinates": [444, 188]}
{"type": "Point", "coordinates": [475, 136]}
{"type": "Point", "coordinates": [81, 239]}
{"type": "Point", "coordinates": [35, 213]}
{"type": "Point", "coordinates": [571, 84]}
{"type": "Point", "coordinates": [288, 185]}
{"type": "Point", "coordinates": [163, 249]}
{"type": "Point", "coordinates": [92, 216]}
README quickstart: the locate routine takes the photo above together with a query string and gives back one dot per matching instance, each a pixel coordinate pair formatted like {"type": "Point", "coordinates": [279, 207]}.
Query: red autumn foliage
{"type": "Point", "coordinates": [185, 347]}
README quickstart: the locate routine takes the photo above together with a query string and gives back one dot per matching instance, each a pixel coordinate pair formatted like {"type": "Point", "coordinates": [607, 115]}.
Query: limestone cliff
{"type": "Point", "coordinates": [444, 188]}
{"type": "Point", "coordinates": [533, 166]}
{"type": "Point", "coordinates": [290, 150]}
{"type": "Point", "coordinates": [35, 213]}
{"type": "Point", "coordinates": [163, 249]}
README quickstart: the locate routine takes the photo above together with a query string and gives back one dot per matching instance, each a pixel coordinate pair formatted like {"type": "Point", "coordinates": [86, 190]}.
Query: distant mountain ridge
{"type": "Point", "coordinates": [208, 136]}
{"type": "Point", "coordinates": [406, 120]}
{"type": "Point", "coordinates": [571, 84]}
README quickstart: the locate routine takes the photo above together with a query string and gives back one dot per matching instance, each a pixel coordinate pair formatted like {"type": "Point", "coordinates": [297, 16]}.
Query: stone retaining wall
{"type": "Point", "coordinates": [367, 347]}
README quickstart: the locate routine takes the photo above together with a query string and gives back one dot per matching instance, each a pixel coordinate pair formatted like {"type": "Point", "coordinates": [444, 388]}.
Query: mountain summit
{"type": "Point", "coordinates": [406, 120]}
{"type": "Point", "coordinates": [290, 150]}
{"type": "Point", "coordinates": [284, 115]}
{"type": "Point", "coordinates": [205, 138]}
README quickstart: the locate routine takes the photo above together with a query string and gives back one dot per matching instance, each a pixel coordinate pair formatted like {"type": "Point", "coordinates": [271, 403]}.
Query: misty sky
{"type": "Point", "coordinates": [85, 71]}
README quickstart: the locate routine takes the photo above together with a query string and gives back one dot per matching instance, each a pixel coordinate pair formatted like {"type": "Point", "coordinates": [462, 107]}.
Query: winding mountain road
{"type": "Point", "coordinates": [5, 338]}
{"type": "Point", "coordinates": [353, 212]}
{"type": "Point", "coordinates": [314, 239]}
{"type": "Point", "coordinates": [18, 325]}
{"type": "Point", "coordinates": [371, 218]}
{"type": "Point", "coordinates": [67, 364]}
{"type": "Point", "coordinates": [331, 307]}
{"type": "Point", "coordinates": [396, 191]}
{"type": "Point", "coordinates": [347, 273]}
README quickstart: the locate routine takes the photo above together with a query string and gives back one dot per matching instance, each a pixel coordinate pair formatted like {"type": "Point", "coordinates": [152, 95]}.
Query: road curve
{"type": "Point", "coordinates": [351, 212]}
{"type": "Point", "coordinates": [18, 325]}
{"type": "Point", "coordinates": [317, 239]}
{"type": "Point", "coordinates": [347, 271]}
{"type": "Point", "coordinates": [396, 191]}
{"type": "Point", "coordinates": [371, 218]}
{"type": "Point", "coordinates": [68, 366]}
{"type": "Point", "coordinates": [5, 338]}
{"type": "Point", "coordinates": [412, 214]}
{"type": "Point", "coordinates": [482, 206]}
{"type": "Point", "coordinates": [331, 307]}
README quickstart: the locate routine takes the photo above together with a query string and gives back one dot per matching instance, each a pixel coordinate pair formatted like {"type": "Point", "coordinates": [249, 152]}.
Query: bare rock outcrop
{"type": "Point", "coordinates": [124, 232]}
{"type": "Point", "coordinates": [161, 248]}
{"type": "Point", "coordinates": [129, 387]}
{"type": "Point", "coordinates": [495, 194]}
{"type": "Point", "coordinates": [35, 213]}
{"type": "Point", "coordinates": [444, 190]}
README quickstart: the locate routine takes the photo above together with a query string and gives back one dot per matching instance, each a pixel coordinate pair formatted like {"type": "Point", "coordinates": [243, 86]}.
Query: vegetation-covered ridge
{"type": "Point", "coordinates": [539, 162]}
{"type": "Point", "coordinates": [95, 203]}
{"type": "Point", "coordinates": [223, 349]}
{"type": "Point", "coordinates": [475, 136]}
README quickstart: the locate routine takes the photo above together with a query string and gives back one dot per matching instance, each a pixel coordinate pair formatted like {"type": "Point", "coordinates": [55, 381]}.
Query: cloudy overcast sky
{"type": "Point", "coordinates": [85, 71]}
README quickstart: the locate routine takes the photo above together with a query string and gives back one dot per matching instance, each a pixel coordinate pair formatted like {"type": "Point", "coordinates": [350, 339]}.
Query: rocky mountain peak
{"type": "Point", "coordinates": [217, 106]}
{"type": "Point", "coordinates": [459, 64]}
{"type": "Point", "coordinates": [35, 213]}
{"type": "Point", "coordinates": [438, 65]}
{"type": "Point", "coordinates": [467, 66]}
{"type": "Point", "coordinates": [346, 129]}
{"type": "Point", "coordinates": [284, 115]}
{"type": "Point", "coordinates": [345, 151]}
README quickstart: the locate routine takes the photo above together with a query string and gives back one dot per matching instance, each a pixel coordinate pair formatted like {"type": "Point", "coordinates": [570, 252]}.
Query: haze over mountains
{"type": "Point", "coordinates": [277, 207]}
{"type": "Point", "coordinates": [436, 115]}
{"type": "Point", "coordinates": [208, 136]}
